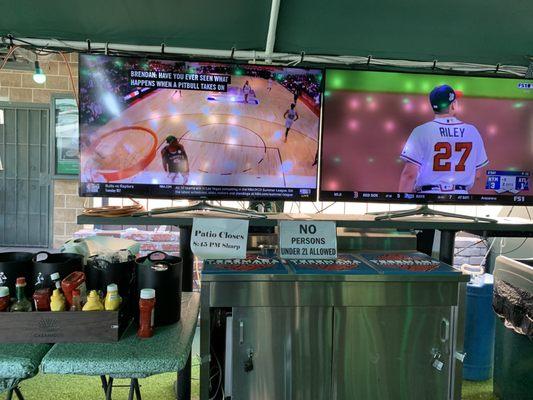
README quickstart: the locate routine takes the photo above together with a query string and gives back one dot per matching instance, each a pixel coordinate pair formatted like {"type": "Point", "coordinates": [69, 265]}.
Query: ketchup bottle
{"type": "Point", "coordinates": [4, 298]}
{"type": "Point", "coordinates": [146, 310]}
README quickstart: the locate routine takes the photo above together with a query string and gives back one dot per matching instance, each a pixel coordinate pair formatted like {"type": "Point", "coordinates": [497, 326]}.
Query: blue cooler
{"type": "Point", "coordinates": [479, 329]}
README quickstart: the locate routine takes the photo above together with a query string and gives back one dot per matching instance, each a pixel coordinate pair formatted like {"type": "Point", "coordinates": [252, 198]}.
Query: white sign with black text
{"type": "Point", "coordinates": [308, 239]}
{"type": "Point", "coordinates": [219, 238]}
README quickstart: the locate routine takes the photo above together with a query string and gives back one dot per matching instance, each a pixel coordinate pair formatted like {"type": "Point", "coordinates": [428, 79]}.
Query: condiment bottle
{"type": "Point", "coordinates": [93, 302]}
{"type": "Point", "coordinates": [75, 280]}
{"type": "Point", "coordinates": [4, 298]}
{"type": "Point", "coordinates": [146, 311]}
{"type": "Point", "coordinates": [41, 300]}
{"type": "Point", "coordinates": [56, 280]}
{"type": "Point", "coordinates": [57, 301]}
{"type": "Point", "coordinates": [76, 301]}
{"type": "Point", "coordinates": [112, 298]}
{"type": "Point", "coordinates": [22, 303]}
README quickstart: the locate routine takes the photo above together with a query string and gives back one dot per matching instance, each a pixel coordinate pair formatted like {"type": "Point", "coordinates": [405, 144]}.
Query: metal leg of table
{"type": "Point", "coordinates": [137, 388]}
{"type": "Point", "coordinates": [18, 393]}
{"type": "Point", "coordinates": [104, 383]}
{"type": "Point", "coordinates": [447, 246]}
{"type": "Point", "coordinates": [183, 384]}
{"type": "Point", "coordinates": [109, 389]}
{"type": "Point", "coordinates": [132, 390]}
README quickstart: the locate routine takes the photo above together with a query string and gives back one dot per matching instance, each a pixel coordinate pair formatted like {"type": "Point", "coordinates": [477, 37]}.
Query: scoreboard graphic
{"type": "Point", "coordinates": [508, 181]}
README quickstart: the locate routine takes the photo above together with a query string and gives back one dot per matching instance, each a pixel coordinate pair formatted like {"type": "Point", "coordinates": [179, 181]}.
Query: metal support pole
{"type": "Point", "coordinates": [272, 26]}
{"type": "Point", "coordinates": [447, 246]}
{"type": "Point", "coordinates": [183, 382]}
{"type": "Point", "coordinates": [424, 241]}
{"type": "Point", "coordinates": [187, 257]}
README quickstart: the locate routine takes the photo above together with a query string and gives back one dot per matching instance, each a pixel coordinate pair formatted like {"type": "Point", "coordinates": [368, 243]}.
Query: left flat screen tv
{"type": "Point", "coordinates": [197, 130]}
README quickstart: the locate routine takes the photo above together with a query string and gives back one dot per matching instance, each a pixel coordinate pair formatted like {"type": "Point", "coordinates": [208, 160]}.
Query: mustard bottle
{"type": "Point", "coordinates": [93, 302]}
{"type": "Point", "coordinates": [112, 298]}
{"type": "Point", "coordinates": [57, 301]}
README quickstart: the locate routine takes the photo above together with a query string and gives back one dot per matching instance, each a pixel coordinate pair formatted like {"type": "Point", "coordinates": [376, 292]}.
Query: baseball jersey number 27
{"type": "Point", "coordinates": [444, 153]}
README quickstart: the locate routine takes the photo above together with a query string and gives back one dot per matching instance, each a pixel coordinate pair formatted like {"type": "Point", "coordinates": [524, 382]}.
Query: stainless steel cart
{"type": "Point", "coordinates": [370, 335]}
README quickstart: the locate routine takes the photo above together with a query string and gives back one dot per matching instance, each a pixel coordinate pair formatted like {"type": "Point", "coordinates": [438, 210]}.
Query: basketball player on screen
{"type": "Point", "coordinates": [443, 155]}
{"type": "Point", "coordinates": [246, 90]}
{"type": "Point", "coordinates": [291, 116]}
{"type": "Point", "coordinates": [175, 160]}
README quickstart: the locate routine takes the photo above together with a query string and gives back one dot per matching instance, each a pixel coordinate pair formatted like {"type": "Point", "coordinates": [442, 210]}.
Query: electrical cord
{"type": "Point", "coordinates": [470, 246]}
{"type": "Point", "coordinates": [219, 378]}
{"type": "Point", "coordinates": [9, 53]}
{"type": "Point", "coordinates": [325, 208]}
{"type": "Point", "coordinates": [71, 78]}
{"type": "Point", "coordinates": [114, 211]}
{"type": "Point", "coordinates": [523, 241]}
{"type": "Point", "coordinates": [39, 51]}
{"type": "Point", "coordinates": [291, 58]}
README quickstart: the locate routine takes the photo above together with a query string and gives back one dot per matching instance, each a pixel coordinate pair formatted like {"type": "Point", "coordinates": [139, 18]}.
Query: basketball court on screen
{"type": "Point", "coordinates": [229, 142]}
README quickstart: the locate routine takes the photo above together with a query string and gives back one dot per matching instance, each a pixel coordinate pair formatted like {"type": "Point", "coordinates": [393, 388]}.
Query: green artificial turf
{"type": "Point", "coordinates": [72, 387]}
{"type": "Point", "coordinates": [159, 387]}
{"type": "Point", "coordinates": [478, 390]}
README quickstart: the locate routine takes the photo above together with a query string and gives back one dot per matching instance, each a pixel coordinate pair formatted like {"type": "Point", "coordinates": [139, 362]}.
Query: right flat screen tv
{"type": "Point", "coordinates": [423, 138]}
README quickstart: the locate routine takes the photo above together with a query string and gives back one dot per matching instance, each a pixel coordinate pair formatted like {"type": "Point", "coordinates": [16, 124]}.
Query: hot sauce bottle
{"type": "Point", "coordinates": [146, 310]}
{"type": "Point", "coordinates": [22, 303]}
{"type": "Point", "coordinates": [76, 301]}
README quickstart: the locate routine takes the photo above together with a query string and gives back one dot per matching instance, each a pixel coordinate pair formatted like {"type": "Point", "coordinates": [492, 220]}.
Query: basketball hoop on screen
{"type": "Point", "coordinates": [123, 152]}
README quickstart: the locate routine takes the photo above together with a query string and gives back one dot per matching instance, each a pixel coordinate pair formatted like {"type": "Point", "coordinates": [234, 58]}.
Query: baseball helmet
{"type": "Point", "coordinates": [442, 96]}
{"type": "Point", "coordinates": [169, 139]}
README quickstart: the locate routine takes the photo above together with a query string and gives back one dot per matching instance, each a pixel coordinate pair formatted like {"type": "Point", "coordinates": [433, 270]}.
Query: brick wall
{"type": "Point", "coordinates": [469, 250]}
{"type": "Point", "coordinates": [67, 205]}
{"type": "Point", "coordinates": [18, 86]}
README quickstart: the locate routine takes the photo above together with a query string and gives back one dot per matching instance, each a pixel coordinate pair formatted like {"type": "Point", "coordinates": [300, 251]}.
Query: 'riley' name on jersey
{"type": "Point", "coordinates": [451, 132]}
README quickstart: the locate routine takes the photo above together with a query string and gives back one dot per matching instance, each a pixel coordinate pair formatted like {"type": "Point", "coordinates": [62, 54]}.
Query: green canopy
{"type": "Point", "coordinates": [481, 31]}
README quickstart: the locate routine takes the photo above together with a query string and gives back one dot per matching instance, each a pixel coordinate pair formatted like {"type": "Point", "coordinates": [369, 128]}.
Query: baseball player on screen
{"type": "Point", "coordinates": [443, 155]}
{"type": "Point", "coordinates": [175, 160]}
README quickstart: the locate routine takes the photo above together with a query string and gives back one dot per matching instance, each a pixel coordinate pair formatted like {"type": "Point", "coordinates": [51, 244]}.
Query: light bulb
{"type": "Point", "coordinates": [39, 76]}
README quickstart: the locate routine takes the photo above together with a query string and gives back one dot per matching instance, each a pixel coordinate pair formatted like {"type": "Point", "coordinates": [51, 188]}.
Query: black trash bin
{"type": "Point", "coordinates": [163, 273]}
{"type": "Point", "coordinates": [45, 264]}
{"type": "Point", "coordinates": [14, 265]}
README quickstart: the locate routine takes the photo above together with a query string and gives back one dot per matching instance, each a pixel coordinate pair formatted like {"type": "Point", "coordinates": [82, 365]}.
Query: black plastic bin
{"type": "Point", "coordinates": [163, 273]}
{"type": "Point", "coordinates": [45, 264]}
{"type": "Point", "coordinates": [14, 265]}
{"type": "Point", "coordinates": [99, 273]}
